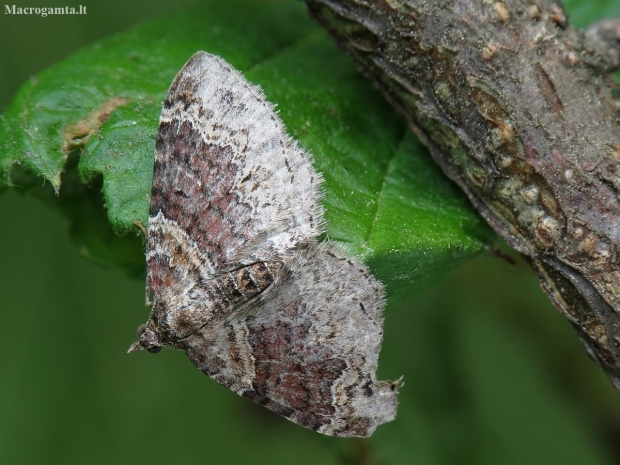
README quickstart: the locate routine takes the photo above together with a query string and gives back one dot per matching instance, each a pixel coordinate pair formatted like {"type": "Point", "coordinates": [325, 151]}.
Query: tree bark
{"type": "Point", "coordinates": [519, 110]}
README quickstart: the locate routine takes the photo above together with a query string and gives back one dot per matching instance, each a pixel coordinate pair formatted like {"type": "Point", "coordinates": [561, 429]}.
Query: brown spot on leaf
{"type": "Point", "coordinates": [78, 133]}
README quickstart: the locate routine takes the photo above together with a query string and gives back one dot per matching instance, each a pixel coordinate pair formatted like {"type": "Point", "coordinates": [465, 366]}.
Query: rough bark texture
{"type": "Point", "coordinates": [519, 109]}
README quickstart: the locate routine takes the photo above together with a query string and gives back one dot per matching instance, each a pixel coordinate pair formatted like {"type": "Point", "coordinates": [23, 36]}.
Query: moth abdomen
{"type": "Point", "coordinates": [241, 285]}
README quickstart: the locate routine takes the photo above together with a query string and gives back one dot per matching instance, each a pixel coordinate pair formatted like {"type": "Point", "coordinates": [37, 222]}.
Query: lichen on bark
{"type": "Point", "coordinates": [519, 109]}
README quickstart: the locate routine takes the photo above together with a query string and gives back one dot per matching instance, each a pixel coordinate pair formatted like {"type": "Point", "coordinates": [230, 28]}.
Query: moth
{"type": "Point", "coordinates": [234, 270]}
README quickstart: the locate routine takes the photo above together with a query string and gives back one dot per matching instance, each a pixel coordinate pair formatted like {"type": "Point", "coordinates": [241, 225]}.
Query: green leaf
{"type": "Point", "coordinates": [582, 13]}
{"type": "Point", "coordinates": [384, 197]}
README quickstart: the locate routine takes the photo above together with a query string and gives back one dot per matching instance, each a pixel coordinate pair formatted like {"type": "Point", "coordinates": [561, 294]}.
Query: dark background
{"type": "Point", "coordinates": [493, 373]}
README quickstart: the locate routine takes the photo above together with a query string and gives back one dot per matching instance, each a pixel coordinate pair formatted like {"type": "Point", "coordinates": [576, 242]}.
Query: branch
{"type": "Point", "coordinates": [607, 32]}
{"type": "Point", "coordinates": [517, 107]}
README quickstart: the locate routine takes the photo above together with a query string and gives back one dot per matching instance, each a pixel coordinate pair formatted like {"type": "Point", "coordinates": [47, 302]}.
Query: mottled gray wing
{"type": "Point", "coordinates": [311, 353]}
{"type": "Point", "coordinates": [227, 178]}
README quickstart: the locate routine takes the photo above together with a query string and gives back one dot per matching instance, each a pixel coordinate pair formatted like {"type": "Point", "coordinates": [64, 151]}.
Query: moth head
{"type": "Point", "coordinates": [147, 340]}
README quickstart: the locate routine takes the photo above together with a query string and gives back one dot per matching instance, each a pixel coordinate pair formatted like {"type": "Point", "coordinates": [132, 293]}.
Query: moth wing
{"type": "Point", "coordinates": [226, 173]}
{"type": "Point", "coordinates": [311, 353]}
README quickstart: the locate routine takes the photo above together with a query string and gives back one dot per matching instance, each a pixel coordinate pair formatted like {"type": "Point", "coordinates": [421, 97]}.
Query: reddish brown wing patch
{"type": "Point", "coordinates": [195, 190]}
{"type": "Point", "coordinates": [292, 370]}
